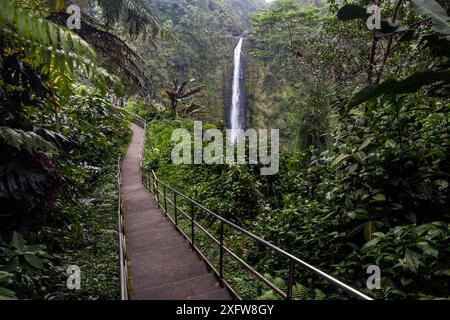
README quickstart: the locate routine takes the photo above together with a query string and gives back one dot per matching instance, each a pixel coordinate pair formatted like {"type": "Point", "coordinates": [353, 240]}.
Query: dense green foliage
{"type": "Point", "coordinates": [204, 33]}
{"type": "Point", "coordinates": [365, 181]}
{"type": "Point", "coordinates": [60, 141]}
{"type": "Point", "coordinates": [364, 119]}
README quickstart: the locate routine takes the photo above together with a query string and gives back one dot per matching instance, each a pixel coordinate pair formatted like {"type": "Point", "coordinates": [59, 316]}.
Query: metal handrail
{"type": "Point", "coordinates": [122, 240]}
{"type": "Point", "coordinates": [293, 261]}
{"type": "Point", "coordinates": [124, 288]}
{"type": "Point", "coordinates": [154, 187]}
{"type": "Point", "coordinates": [141, 148]}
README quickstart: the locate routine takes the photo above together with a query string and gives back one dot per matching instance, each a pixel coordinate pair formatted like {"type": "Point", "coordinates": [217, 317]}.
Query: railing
{"type": "Point", "coordinates": [160, 189]}
{"type": "Point", "coordinates": [154, 185]}
{"type": "Point", "coordinates": [137, 120]}
{"type": "Point", "coordinates": [122, 240]}
{"type": "Point", "coordinates": [121, 219]}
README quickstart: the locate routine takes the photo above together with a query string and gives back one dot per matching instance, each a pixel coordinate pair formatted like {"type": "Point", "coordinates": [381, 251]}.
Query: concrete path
{"type": "Point", "coordinates": [161, 263]}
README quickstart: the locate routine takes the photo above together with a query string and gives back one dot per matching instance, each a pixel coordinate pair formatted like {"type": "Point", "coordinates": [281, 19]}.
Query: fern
{"type": "Point", "coordinates": [135, 15]}
{"type": "Point", "coordinates": [320, 295]}
{"type": "Point", "coordinates": [22, 182]}
{"type": "Point", "coordinates": [25, 141]}
{"type": "Point", "coordinates": [280, 283]}
{"type": "Point", "coordinates": [269, 295]}
{"type": "Point", "coordinates": [299, 292]}
{"type": "Point", "coordinates": [6, 294]}
{"type": "Point", "coordinates": [48, 46]}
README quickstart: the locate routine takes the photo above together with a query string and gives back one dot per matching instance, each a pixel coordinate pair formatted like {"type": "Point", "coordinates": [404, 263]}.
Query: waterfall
{"type": "Point", "coordinates": [237, 118]}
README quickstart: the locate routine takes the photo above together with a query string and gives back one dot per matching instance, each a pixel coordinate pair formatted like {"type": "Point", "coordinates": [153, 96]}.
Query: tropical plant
{"type": "Point", "coordinates": [60, 51]}
{"type": "Point", "coordinates": [105, 29]}
{"type": "Point", "coordinates": [20, 265]}
{"type": "Point", "coordinates": [6, 294]}
{"type": "Point", "coordinates": [181, 97]}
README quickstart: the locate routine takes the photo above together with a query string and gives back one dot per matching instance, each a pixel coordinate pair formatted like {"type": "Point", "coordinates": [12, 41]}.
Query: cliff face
{"type": "Point", "coordinates": [263, 82]}
{"type": "Point", "coordinates": [205, 34]}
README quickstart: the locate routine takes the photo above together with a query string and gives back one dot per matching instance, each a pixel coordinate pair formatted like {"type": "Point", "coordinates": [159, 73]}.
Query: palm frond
{"type": "Point", "coordinates": [192, 108]}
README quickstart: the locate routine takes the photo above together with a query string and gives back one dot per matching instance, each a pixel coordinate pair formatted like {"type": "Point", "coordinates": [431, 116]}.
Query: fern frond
{"type": "Point", "coordinates": [114, 52]}
{"type": "Point", "coordinates": [299, 292]}
{"type": "Point", "coordinates": [48, 46]}
{"type": "Point", "coordinates": [319, 295]}
{"type": "Point", "coordinates": [24, 141]}
{"type": "Point", "coordinates": [22, 182]}
{"type": "Point", "coordinates": [53, 137]}
{"type": "Point", "coordinates": [140, 15]}
{"type": "Point", "coordinates": [269, 295]}
{"type": "Point", "coordinates": [280, 283]}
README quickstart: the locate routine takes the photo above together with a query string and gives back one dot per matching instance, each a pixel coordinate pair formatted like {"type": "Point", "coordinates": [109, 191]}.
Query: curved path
{"type": "Point", "coordinates": [161, 263]}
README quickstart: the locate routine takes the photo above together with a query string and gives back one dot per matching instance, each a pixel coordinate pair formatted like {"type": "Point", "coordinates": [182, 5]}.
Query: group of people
{"type": "Point", "coordinates": [116, 101]}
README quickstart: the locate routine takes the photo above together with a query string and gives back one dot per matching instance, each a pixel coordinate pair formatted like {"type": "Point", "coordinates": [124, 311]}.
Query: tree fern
{"type": "Point", "coordinates": [52, 48]}
{"type": "Point", "coordinates": [115, 53]}
{"type": "Point", "coordinates": [136, 16]}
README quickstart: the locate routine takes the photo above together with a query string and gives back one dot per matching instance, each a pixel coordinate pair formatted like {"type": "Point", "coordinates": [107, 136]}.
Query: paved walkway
{"type": "Point", "coordinates": [162, 265]}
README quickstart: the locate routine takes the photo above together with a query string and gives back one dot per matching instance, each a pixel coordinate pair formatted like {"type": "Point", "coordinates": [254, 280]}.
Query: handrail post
{"type": "Point", "coordinates": [165, 200]}
{"type": "Point", "coordinates": [221, 253]}
{"type": "Point", "coordinates": [157, 192]}
{"type": "Point", "coordinates": [175, 207]}
{"type": "Point", "coordinates": [192, 226]}
{"type": "Point", "coordinates": [292, 260]}
{"type": "Point", "coordinates": [290, 279]}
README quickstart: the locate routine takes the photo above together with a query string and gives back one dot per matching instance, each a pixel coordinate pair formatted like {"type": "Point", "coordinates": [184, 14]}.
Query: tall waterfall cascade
{"type": "Point", "coordinates": [237, 116]}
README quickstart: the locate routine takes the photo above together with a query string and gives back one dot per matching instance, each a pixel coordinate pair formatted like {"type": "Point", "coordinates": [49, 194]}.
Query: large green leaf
{"type": "Point", "coordinates": [379, 197]}
{"type": "Point", "coordinates": [340, 159]}
{"type": "Point", "coordinates": [391, 86]}
{"type": "Point", "coordinates": [34, 261]}
{"type": "Point", "coordinates": [428, 249]}
{"type": "Point", "coordinates": [370, 92]}
{"type": "Point", "coordinates": [18, 241]}
{"type": "Point", "coordinates": [366, 143]}
{"type": "Point", "coordinates": [412, 260]}
{"type": "Point", "coordinates": [438, 15]}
